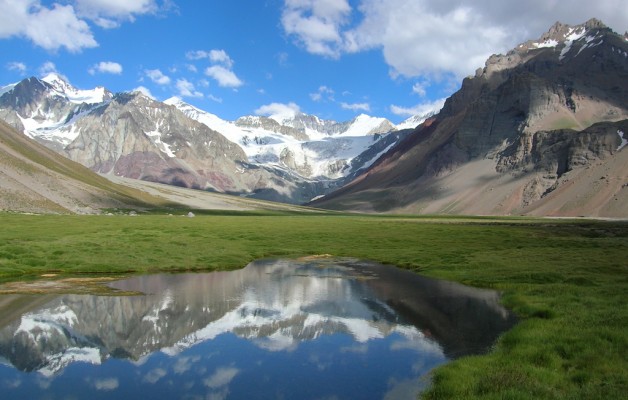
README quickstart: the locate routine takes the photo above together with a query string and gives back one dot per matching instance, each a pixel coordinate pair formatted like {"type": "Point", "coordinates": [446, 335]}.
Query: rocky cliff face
{"type": "Point", "coordinates": [137, 137]}
{"type": "Point", "coordinates": [529, 115]}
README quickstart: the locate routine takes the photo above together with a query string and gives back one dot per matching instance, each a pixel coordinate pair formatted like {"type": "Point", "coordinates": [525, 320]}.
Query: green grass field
{"type": "Point", "coordinates": [567, 280]}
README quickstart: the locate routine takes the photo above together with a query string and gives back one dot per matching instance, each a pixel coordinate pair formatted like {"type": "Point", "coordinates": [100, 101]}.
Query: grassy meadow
{"type": "Point", "coordinates": [566, 280]}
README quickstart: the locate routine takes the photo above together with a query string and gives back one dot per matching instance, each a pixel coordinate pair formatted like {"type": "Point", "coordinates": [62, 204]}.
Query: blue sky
{"type": "Point", "coordinates": [332, 58]}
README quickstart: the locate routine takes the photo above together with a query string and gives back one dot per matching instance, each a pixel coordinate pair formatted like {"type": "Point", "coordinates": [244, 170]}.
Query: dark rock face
{"type": "Point", "coordinates": [532, 112]}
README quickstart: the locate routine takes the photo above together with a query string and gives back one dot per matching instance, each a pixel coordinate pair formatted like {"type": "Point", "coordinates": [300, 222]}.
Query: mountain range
{"type": "Point", "coordinates": [539, 130]}
{"type": "Point", "coordinates": [289, 158]}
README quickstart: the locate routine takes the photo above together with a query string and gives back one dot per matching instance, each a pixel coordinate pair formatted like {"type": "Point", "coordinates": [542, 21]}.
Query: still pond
{"type": "Point", "coordinates": [317, 328]}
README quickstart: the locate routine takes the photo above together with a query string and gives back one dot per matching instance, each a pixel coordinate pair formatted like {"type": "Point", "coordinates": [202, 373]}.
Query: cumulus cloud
{"type": "Point", "coordinates": [106, 384]}
{"type": "Point", "coordinates": [323, 91]}
{"type": "Point", "coordinates": [224, 76]}
{"type": "Point", "coordinates": [221, 57]}
{"type": "Point", "coordinates": [157, 76]}
{"type": "Point", "coordinates": [106, 67]}
{"type": "Point", "coordinates": [420, 88]}
{"type": "Point", "coordinates": [197, 54]}
{"type": "Point", "coordinates": [154, 375]}
{"type": "Point", "coordinates": [50, 28]}
{"type": "Point", "coordinates": [214, 98]}
{"type": "Point", "coordinates": [434, 38]}
{"type": "Point", "coordinates": [419, 109]}
{"type": "Point", "coordinates": [220, 378]}
{"type": "Point", "coordinates": [47, 68]}
{"type": "Point", "coordinates": [17, 66]}
{"type": "Point", "coordinates": [110, 13]}
{"type": "Point", "coordinates": [279, 111]}
{"type": "Point", "coordinates": [187, 89]}
{"type": "Point", "coordinates": [356, 106]}
{"type": "Point", "coordinates": [317, 24]}
{"type": "Point", "coordinates": [65, 24]}
{"type": "Point", "coordinates": [221, 69]}
{"type": "Point", "coordinates": [145, 91]}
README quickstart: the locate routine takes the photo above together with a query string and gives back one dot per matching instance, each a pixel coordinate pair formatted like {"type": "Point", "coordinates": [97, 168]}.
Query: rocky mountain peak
{"type": "Point", "coordinates": [533, 122]}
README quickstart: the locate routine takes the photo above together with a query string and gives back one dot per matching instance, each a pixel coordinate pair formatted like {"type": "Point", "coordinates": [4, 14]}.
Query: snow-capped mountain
{"type": "Point", "coordinates": [416, 120]}
{"type": "Point", "coordinates": [46, 108]}
{"type": "Point", "coordinates": [291, 158]}
{"type": "Point", "coordinates": [313, 148]}
{"type": "Point", "coordinates": [63, 88]}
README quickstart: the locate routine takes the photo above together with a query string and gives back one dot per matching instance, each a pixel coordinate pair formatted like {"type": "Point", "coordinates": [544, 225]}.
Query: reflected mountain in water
{"type": "Point", "coordinates": [275, 304]}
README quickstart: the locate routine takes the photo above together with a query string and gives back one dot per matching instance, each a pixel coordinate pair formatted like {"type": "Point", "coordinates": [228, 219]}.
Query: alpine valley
{"type": "Point", "coordinates": [539, 130]}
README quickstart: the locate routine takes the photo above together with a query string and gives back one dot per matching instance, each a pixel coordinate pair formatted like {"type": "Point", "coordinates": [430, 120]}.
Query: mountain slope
{"type": "Point", "coordinates": [34, 178]}
{"type": "Point", "coordinates": [529, 133]}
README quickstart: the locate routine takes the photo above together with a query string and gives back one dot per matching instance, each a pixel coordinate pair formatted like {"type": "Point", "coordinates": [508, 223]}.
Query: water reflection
{"type": "Point", "coordinates": [321, 328]}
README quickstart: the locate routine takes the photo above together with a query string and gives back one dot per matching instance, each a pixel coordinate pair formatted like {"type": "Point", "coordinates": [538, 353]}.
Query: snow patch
{"type": "Point", "coordinates": [547, 43]}
{"type": "Point", "coordinates": [155, 136]}
{"type": "Point", "coordinates": [624, 141]}
{"type": "Point", "coordinates": [58, 362]}
{"type": "Point", "coordinates": [570, 38]}
{"type": "Point", "coordinates": [320, 156]}
{"type": "Point", "coordinates": [6, 89]}
{"type": "Point", "coordinates": [44, 324]}
{"type": "Point", "coordinates": [74, 95]}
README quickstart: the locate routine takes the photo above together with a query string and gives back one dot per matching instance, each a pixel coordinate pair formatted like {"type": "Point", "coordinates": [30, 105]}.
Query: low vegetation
{"type": "Point", "coordinates": [567, 280]}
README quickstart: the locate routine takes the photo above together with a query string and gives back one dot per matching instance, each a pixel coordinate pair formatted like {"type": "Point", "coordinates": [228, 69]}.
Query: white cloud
{"type": "Point", "coordinates": [187, 89]}
{"type": "Point", "coordinates": [196, 54]}
{"type": "Point", "coordinates": [283, 59]}
{"type": "Point", "coordinates": [435, 38]}
{"type": "Point", "coordinates": [221, 69]}
{"type": "Point", "coordinates": [49, 28]}
{"type": "Point", "coordinates": [278, 111]}
{"type": "Point", "coordinates": [214, 55]}
{"type": "Point", "coordinates": [106, 67]}
{"type": "Point", "coordinates": [316, 24]}
{"type": "Point", "coordinates": [419, 109]}
{"type": "Point", "coordinates": [222, 377]}
{"type": "Point", "coordinates": [154, 375]}
{"type": "Point", "coordinates": [420, 88]}
{"type": "Point", "coordinates": [416, 39]}
{"type": "Point", "coordinates": [17, 66]}
{"type": "Point", "coordinates": [64, 24]}
{"type": "Point", "coordinates": [110, 13]}
{"type": "Point", "coordinates": [145, 91]}
{"type": "Point", "coordinates": [356, 106]}
{"type": "Point", "coordinates": [47, 68]}
{"type": "Point", "coordinates": [106, 384]}
{"type": "Point", "coordinates": [214, 98]}
{"type": "Point", "coordinates": [323, 91]}
{"type": "Point", "coordinates": [157, 76]}
{"type": "Point", "coordinates": [225, 77]}
{"type": "Point", "coordinates": [221, 57]}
